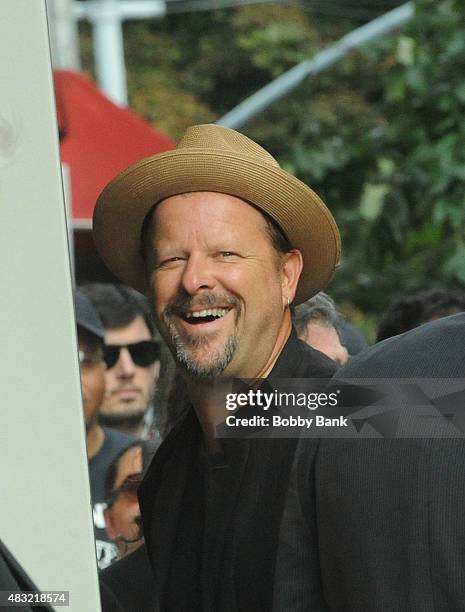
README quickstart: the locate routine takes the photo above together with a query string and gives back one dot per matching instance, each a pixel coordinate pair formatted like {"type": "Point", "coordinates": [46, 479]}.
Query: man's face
{"type": "Point", "coordinates": [119, 517]}
{"type": "Point", "coordinates": [325, 338]}
{"type": "Point", "coordinates": [129, 387]}
{"type": "Point", "coordinates": [218, 287]}
{"type": "Point", "coordinates": [92, 370]}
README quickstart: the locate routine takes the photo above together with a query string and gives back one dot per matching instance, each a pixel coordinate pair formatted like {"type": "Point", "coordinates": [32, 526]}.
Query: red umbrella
{"type": "Point", "coordinates": [98, 139]}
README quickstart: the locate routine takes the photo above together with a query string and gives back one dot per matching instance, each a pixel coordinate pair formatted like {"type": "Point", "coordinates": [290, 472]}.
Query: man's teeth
{"type": "Point", "coordinates": [212, 312]}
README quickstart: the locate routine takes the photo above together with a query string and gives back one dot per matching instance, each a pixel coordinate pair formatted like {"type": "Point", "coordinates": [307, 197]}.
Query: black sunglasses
{"type": "Point", "coordinates": [142, 353]}
{"type": "Point", "coordinates": [128, 487]}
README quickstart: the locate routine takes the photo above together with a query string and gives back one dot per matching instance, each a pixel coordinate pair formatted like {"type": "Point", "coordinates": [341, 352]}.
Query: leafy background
{"type": "Point", "coordinates": [380, 136]}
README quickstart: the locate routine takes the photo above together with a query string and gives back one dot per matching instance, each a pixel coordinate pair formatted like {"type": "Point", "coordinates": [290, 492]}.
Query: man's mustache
{"type": "Point", "coordinates": [184, 303]}
{"type": "Point", "coordinates": [115, 390]}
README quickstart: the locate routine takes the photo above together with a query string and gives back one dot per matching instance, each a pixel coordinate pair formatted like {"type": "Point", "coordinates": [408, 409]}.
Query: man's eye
{"type": "Point", "coordinates": [169, 260]}
{"type": "Point", "coordinates": [227, 254]}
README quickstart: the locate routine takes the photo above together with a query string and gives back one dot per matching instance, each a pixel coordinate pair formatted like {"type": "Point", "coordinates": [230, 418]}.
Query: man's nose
{"type": "Point", "coordinates": [198, 273]}
{"type": "Point", "coordinates": [125, 365]}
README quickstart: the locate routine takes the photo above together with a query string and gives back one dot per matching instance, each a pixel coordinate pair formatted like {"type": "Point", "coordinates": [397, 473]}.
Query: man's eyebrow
{"type": "Point", "coordinates": [156, 255]}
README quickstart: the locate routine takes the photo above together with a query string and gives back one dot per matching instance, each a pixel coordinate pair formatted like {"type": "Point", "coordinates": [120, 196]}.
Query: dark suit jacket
{"type": "Point", "coordinates": [14, 578]}
{"type": "Point", "coordinates": [127, 585]}
{"type": "Point", "coordinates": [378, 524]}
{"type": "Point", "coordinates": [233, 529]}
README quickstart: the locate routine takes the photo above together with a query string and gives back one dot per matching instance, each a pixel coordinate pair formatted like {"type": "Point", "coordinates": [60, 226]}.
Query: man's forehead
{"type": "Point", "coordinates": [216, 219]}
{"type": "Point", "coordinates": [214, 204]}
{"type": "Point", "coordinates": [199, 196]}
{"type": "Point", "coordinates": [187, 195]}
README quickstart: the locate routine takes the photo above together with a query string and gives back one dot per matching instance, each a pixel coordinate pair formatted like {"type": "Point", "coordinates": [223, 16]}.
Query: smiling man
{"type": "Point", "coordinates": [223, 241]}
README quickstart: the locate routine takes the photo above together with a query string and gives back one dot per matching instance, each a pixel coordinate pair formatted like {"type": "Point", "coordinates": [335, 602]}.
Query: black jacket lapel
{"type": "Point", "coordinates": [161, 492]}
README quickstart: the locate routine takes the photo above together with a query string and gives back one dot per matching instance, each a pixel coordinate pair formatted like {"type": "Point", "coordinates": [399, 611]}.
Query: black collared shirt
{"type": "Point", "coordinates": [225, 523]}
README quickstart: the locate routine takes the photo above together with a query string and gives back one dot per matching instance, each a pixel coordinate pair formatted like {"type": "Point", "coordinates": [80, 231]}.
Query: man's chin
{"type": "Point", "coordinates": [122, 419]}
{"type": "Point", "coordinates": [206, 364]}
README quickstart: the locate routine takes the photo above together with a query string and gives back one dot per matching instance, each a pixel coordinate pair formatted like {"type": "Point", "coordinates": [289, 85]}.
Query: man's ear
{"type": "Point", "coordinates": [109, 524]}
{"type": "Point", "coordinates": [292, 264]}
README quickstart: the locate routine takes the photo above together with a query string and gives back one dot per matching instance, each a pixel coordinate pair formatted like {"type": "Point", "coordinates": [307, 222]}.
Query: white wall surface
{"type": "Point", "coordinates": [45, 511]}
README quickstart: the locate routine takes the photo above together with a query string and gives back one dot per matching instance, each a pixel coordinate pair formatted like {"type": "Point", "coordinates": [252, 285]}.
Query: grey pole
{"type": "Point", "coordinates": [107, 17]}
{"type": "Point", "coordinates": [64, 37]}
{"type": "Point", "coordinates": [109, 51]}
{"type": "Point", "coordinates": [287, 81]}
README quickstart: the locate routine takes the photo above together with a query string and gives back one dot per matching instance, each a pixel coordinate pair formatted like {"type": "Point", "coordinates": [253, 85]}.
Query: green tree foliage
{"type": "Point", "coordinates": [409, 224]}
{"type": "Point", "coordinates": [380, 136]}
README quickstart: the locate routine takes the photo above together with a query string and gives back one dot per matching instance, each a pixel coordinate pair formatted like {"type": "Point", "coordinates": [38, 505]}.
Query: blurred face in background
{"type": "Point", "coordinates": [324, 338]}
{"type": "Point", "coordinates": [129, 385]}
{"type": "Point", "coordinates": [123, 507]}
{"type": "Point", "coordinates": [92, 370]}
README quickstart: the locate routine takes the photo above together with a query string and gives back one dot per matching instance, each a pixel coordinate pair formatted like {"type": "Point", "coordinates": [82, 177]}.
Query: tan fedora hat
{"type": "Point", "coordinates": [218, 159]}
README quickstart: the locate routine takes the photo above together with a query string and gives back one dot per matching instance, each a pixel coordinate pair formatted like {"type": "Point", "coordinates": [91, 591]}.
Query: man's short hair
{"type": "Point", "coordinates": [413, 310]}
{"type": "Point", "coordinates": [118, 305]}
{"type": "Point", "coordinates": [319, 309]}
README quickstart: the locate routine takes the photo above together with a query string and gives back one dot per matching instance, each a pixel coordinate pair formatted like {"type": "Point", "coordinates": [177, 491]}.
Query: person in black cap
{"type": "Point", "coordinates": [103, 444]}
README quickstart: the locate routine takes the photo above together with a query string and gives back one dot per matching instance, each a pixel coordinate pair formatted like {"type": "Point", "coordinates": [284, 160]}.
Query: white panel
{"type": "Point", "coordinates": [45, 516]}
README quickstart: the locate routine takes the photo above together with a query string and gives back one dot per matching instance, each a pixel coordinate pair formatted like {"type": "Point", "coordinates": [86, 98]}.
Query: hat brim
{"type": "Point", "coordinates": [125, 202]}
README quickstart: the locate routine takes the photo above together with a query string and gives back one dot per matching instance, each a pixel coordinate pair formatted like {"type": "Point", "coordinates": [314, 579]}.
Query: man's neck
{"type": "Point", "coordinates": [94, 439]}
{"type": "Point", "coordinates": [282, 338]}
{"type": "Point", "coordinates": [133, 425]}
{"type": "Point", "coordinates": [208, 398]}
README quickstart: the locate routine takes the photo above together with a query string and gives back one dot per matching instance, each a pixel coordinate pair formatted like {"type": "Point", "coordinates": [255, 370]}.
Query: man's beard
{"type": "Point", "coordinates": [218, 360]}
{"type": "Point", "coordinates": [127, 420]}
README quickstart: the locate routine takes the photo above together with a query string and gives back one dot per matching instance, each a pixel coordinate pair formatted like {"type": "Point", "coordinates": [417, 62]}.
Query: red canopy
{"type": "Point", "coordinates": [98, 139]}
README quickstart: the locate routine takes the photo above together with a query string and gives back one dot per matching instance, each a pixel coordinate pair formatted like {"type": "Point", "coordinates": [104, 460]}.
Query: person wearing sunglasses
{"type": "Point", "coordinates": [122, 514]}
{"type": "Point", "coordinates": [132, 356]}
{"type": "Point", "coordinates": [103, 444]}
{"type": "Point", "coordinates": [129, 580]}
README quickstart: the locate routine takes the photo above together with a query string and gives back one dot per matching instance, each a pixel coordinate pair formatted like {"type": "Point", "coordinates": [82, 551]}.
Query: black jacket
{"type": "Point", "coordinates": [13, 578]}
{"type": "Point", "coordinates": [211, 526]}
{"type": "Point", "coordinates": [378, 524]}
{"type": "Point", "coordinates": [127, 585]}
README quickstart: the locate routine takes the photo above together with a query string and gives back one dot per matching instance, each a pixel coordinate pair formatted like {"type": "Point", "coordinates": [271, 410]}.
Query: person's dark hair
{"type": "Point", "coordinates": [413, 310]}
{"type": "Point", "coordinates": [87, 337]}
{"type": "Point", "coordinates": [277, 236]}
{"type": "Point", "coordinates": [118, 305]}
{"type": "Point", "coordinates": [438, 304]}
{"type": "Point", "coordinates": [320, 308]}
{"type": "Point", "coordinates": [148, 448]}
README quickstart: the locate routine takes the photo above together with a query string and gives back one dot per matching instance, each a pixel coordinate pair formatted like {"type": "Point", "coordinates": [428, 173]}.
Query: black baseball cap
{"type": "Point", "coordinates": [86, 315]}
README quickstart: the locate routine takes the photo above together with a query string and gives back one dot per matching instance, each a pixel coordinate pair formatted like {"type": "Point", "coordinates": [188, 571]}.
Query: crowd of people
{"type": "Point", "coordinates": [117, 338]}
{"type": "Point", "coordinates": [119, 356]}
{"type": "Point", "coordinates": [233, 255]}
